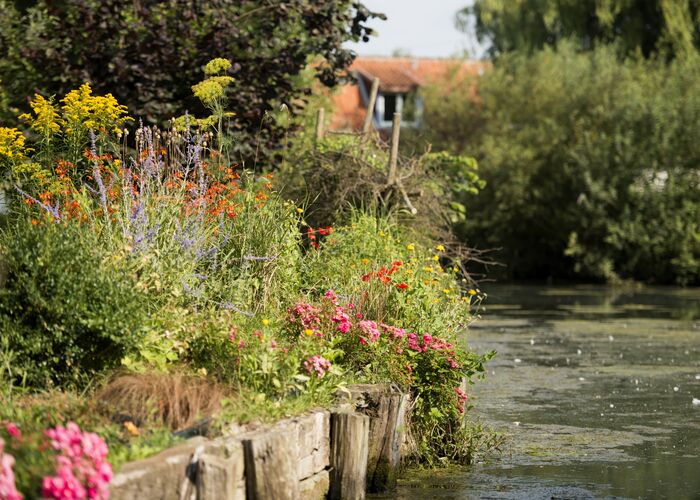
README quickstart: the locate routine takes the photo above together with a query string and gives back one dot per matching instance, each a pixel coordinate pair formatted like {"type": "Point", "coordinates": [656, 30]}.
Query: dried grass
{"type": "Point", "coordinates": [175, 400]}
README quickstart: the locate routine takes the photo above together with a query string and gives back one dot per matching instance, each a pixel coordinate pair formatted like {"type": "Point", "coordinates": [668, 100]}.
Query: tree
{"type": "Point", "coordinates": [591, 167]}
{"type": "Point", "coordinates": [671, 27]}
{"type": "Point", "coordinates": [149, 53]}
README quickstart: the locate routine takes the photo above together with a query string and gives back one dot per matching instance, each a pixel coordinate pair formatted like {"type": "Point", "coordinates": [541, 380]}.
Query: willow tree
{"type": "Point", "coordinates": [666, 27]}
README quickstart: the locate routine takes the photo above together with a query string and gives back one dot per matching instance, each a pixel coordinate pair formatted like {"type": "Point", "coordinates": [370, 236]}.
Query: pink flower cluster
{"type": "Point", "coordinates": [435, 344]}
{"type": "Point", "coordinates": [340, 317]}
{"type": "Point", "coordinates": [307, 315]}
{"type": "Point", "coordinates": [82, 470]}
{"type": "Point", "coordinates": [395, 332]}
{"type": "Point", "coordinates": [8, 489]}
{"type": "Point", "coordinates": [461, 398]}
{"type": "Point", "coordinates": [370, 332]}
{"type": "Point", "coordinates": [317, 364]}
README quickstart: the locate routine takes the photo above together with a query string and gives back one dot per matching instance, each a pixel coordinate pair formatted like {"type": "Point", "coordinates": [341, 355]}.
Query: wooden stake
{"type": "Point", "coordinates": [319, 124]}
{"type": "Point", "coordinates": [370, 106]}
{"type": "Point", "coordinates": [349, 451]}
{"type": "Point", "coordinates": [394, 153]}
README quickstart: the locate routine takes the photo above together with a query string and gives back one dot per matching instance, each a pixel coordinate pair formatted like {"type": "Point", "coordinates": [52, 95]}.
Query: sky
{"type": "Point", "coordinates": [421, 28]}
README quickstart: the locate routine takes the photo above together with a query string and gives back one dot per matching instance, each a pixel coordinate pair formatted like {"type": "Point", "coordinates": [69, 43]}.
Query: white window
{"type": "Point", "coordinates": [409, 105]}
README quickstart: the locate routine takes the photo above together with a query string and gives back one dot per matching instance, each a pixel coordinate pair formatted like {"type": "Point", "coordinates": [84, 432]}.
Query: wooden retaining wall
{"type": "Point", "coordinates": [341, 453]}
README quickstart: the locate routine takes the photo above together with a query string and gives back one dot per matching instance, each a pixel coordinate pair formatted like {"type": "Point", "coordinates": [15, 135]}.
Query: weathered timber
{"type": "Point", "coordinates": [271, 466]}
{"type": "Point", "coordinates": [315, 487]}
{"type": "Point", "coordinates": [369, 114]}
{"type": "Point", "coordinates": [387, 408]}
{"type": "Point", "coordinates": [394, 151]}
{"type": "Point", "coordinates": [170, 475]}
{"type": "Point", "coordinates": [319, 124]}
{"type": "Point", "coordinates": [313, 437]}
{"type": "Point", "coordinates": [349, 452]}
{"type": "Point", "coordinates": [220, 473]}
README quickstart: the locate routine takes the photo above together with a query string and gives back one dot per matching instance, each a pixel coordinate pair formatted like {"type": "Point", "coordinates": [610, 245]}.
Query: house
{"type": "Point", "coordinates": [400, 81]}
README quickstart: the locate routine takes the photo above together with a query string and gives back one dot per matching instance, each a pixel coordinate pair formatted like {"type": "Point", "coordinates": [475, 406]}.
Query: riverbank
{"type": "Point", "coordinates": [592, 387]}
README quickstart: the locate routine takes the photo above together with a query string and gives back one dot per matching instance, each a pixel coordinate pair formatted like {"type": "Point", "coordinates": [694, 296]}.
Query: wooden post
{"type": "Point", "coordinates": [370, 106]}
{"type": "Point", "coordinates": [319, 124]}
{"type": "Point", "coordinates": [394, 152]}
{"type": "Point", "coordinates": [271, 460]}
{"type": "Point", "coordinates": [349, 451]}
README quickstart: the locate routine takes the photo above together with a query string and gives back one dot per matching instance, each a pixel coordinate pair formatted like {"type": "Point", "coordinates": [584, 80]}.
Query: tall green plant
{"type": "Point", "coordinates": [590, 167]}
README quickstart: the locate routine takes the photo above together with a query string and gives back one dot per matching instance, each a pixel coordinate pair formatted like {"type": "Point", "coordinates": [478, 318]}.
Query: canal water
{"type": "Point", "coordinates": [592, 390]}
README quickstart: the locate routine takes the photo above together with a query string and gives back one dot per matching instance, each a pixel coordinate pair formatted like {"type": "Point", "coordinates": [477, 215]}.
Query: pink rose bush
{"type": "Point", "coordinates": [418, 361]}
{"type": "Point", "coordinates": [76, 463]}
{"type": "Point", "coordinates": [8, 489]}
{"type": "Point", "coordinates": [318, 365]}
{"type": "Point", "coordinates": [82, 471]}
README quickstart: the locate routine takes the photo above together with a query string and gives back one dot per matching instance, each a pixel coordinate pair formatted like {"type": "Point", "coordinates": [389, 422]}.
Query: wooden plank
{"type": "Point", "coordinates": [170, 475]}
{"type": "Point", "coordinates": [349, 453]}
{"type": "Point", "coordinates": [369, 114]}
{"type": "Point", "coordinates": [315, 487]}
{"type": "Point", "coordinates": [319, 124]}
{"type": "Point", "coordinates": [386, 407]}
{"type": "Point", "coordinates": [394, 152]}
{"type": "Point", "coordinates": [314, 443]}
{"type": "Point", "coordinates": [271, 466]}
{"type": "Point", "coordinates": [215, 478]}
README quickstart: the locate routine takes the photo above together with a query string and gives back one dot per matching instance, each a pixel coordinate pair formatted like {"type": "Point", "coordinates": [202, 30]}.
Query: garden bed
{"type": "Point", "coordinates": [153, 290]}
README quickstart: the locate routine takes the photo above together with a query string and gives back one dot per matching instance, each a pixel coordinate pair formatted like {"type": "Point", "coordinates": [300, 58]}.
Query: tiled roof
{"type": "Point", "coordinates": [403, 74]}
{"type": "Point", "coordinates": [396, 74]}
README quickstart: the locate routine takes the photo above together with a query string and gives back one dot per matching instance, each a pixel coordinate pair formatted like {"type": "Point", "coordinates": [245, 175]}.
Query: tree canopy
{"type": "Point", "coordinates": [669, 27]}
{"type": "Point", "coordinates": [149, 53]}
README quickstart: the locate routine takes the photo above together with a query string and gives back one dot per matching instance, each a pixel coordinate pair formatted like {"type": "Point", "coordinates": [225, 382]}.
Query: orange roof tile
{"type": "Point", "coordinates": [403, 74]}
{"type": "Point", "coordinates": [396, 74]}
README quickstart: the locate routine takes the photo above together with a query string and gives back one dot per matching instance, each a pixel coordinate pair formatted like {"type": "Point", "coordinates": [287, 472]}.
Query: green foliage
{"type": "Point", "coordinates": [344, 172]}
{"type": "Point", "coordinates": [150, 53]}
{"type": "Point", "coordinates": [590, 169]}
{"type": "Point", "coordinates": [648, 27]}
{"type": "Point", "coordinates": [68, 309]}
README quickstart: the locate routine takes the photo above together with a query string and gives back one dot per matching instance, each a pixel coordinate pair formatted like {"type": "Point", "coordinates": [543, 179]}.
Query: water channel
{"type": "Point", "coordinates": [592, 388]}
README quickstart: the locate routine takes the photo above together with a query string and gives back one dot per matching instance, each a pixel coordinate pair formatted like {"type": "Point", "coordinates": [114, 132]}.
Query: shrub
{"type": "Point", "coordinates": [149, 54]}
{"type": "Point", "coordinates": [590, 173]}
{"type": "Point", "coordinates": [345, 172]}
{"type": "Point", "coordinates": [68, 309]}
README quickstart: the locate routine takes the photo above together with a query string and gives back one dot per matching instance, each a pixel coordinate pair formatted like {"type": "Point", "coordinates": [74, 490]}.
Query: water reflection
{"type": "Point", "coordinates": [594, 387]}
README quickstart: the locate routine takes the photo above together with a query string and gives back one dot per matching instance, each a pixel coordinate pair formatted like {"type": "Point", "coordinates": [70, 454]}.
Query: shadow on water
{"type": "Point", "coordinates": [593, 388]}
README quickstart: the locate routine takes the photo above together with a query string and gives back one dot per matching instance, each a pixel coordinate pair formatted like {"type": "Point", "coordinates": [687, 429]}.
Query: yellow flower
{"type": "Point", "coordinates": [217, 65]}
{"type": "Point", "coordinates": [300, 210]}
{"type": "Point", "coordinates": [428, 269]}
{"type": "Point", "coordinates": [83, 111]}
{"type": "Point", "coordinates": [309, 332]}
{"type": "Point", "coordinates": [212, 90]}
{"type": "Point", "coordinates": [12, 144]}
{"type": "Point", "coordinates": [472, 292]}
{"type": "Point", "coordinates": [410, 247]}
{"type": "Point", "coordinates": [440, 248]}
{"type": "Point", "coordinates": [446, 291]}
{"type": "Point", "coordinates": [382, 233]}
{"type": "Point", "coordinates": [265, 322]}
{"type": "Point", "coordinates": [47, 121]}
{"type": "Point", "coordinates": [365, 261]}
{"type": "Point", "coordinates": [435, 258]}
